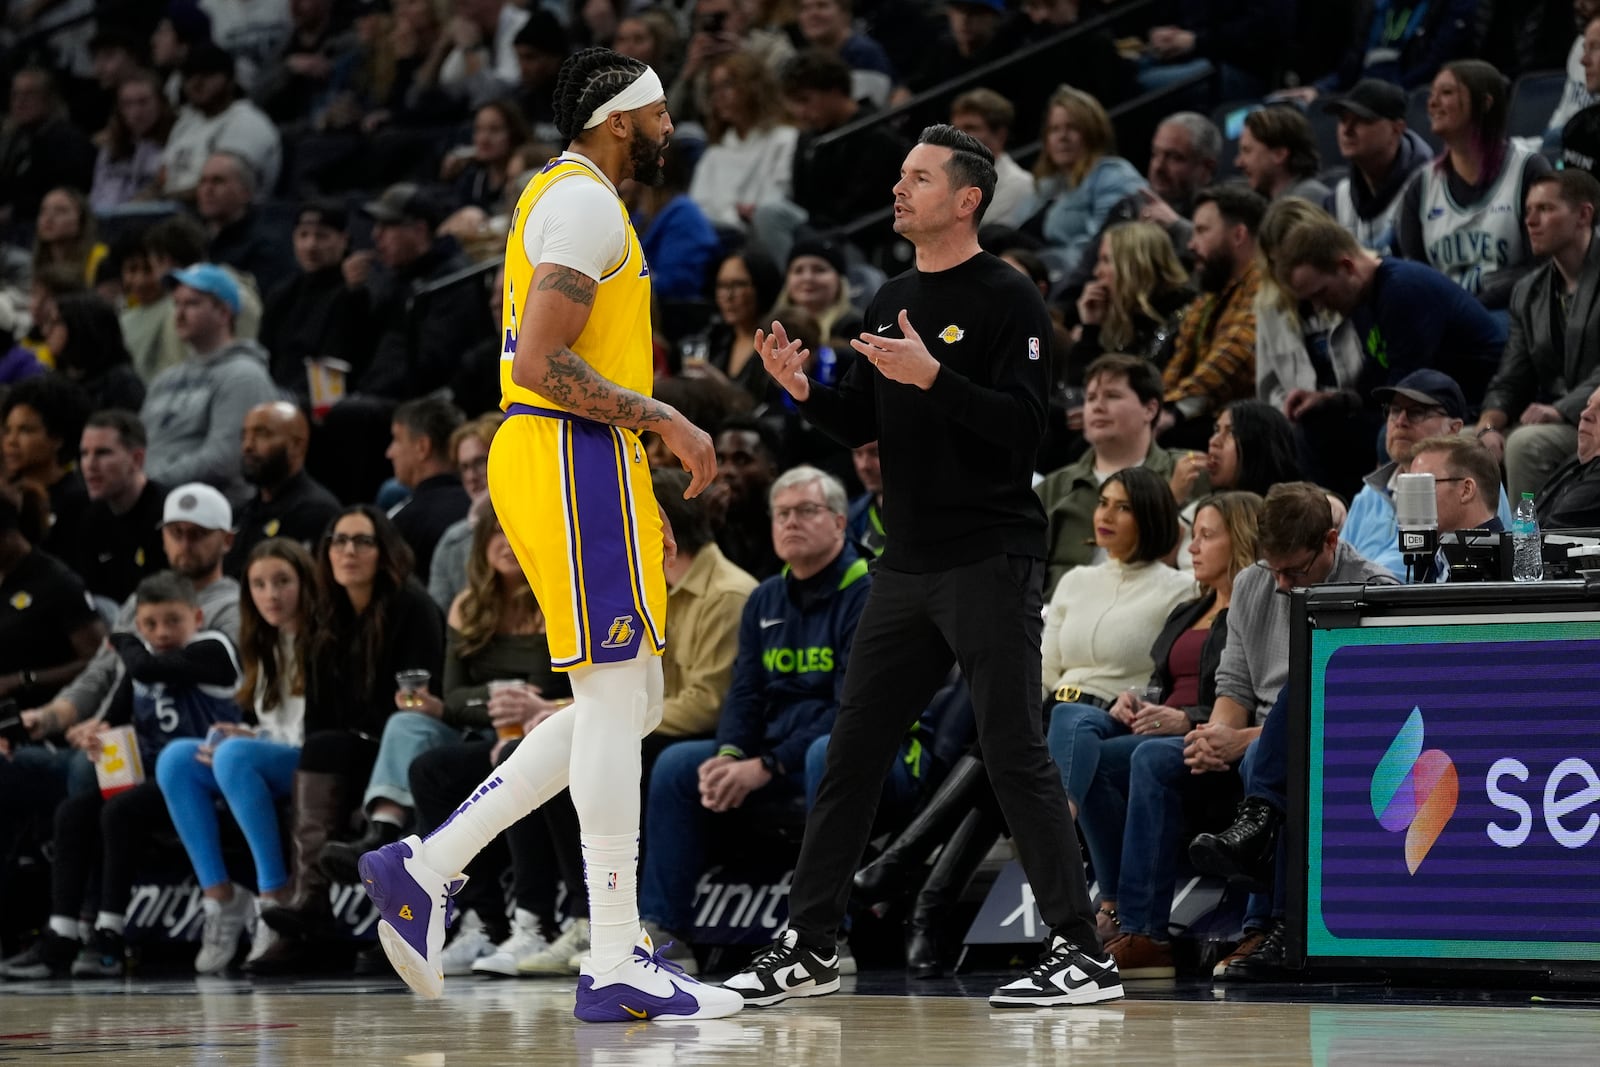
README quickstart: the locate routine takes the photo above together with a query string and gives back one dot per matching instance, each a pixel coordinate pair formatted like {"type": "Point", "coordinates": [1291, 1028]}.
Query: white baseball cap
{"type": "Point", "coordinates": [200, 504]}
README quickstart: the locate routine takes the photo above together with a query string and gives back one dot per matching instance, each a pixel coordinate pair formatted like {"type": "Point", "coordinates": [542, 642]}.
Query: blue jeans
{"type": "Point", "coordinates": [252, 775]}
{"type": "Point", "coordinates": [1153, 836]}
{"type": "Point", "coordinates": [1265, 771]}
{"type": "Point", "coordinates": [676, 829]}
{"type": "Point", "coordinates": [1094, 752]}
{"type": "Point", "coordinates": [70, 766]}
{"type": "Point", "coordinates": [406, 735]}
{"type": "Point", "coordinates": [1268, 757]}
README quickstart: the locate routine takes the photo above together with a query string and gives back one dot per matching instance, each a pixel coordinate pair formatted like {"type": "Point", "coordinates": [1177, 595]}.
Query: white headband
{"type": "Point", "coordinates": [645, 89]}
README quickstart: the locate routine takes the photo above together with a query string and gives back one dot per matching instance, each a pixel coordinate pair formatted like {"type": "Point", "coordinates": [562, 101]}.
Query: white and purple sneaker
{"type": "Point", "coordinates": [415, 906]}
{"type": "Point", "coordinates": [646, 986]}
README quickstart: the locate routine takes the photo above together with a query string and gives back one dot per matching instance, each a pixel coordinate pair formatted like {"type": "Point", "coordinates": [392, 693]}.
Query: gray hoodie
{"type": "Point", "coordinates": [194, 412]}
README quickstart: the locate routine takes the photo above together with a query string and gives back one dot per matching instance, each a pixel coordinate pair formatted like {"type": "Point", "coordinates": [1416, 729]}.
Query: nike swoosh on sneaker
{"type": "Point", "coordinates": [635, 1014]}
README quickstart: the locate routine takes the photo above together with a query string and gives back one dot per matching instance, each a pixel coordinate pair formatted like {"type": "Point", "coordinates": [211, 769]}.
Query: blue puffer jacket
{"type": "Point", "coordinates": [794, 644]}
{"type": "Point", "coordinates": [1072, 217]}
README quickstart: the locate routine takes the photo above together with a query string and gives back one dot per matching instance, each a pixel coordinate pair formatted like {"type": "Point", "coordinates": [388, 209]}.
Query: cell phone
{"type": "Point", "coordinates": [215, 736]}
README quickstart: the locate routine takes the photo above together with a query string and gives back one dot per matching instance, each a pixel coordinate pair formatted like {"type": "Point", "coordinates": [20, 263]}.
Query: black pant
{"type": "Point", "coordinates": [986, 616]}
{"type": "Point", "coordinates": [110, 832]}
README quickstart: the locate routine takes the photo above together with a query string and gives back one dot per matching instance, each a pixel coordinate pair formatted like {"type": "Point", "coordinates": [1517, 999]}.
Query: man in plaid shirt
{"type": "Point", "coordinates": [1214, 360]}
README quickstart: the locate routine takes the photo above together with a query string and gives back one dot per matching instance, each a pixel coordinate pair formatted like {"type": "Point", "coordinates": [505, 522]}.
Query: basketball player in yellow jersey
{"type": "Point", "coordinates": [571, 486]}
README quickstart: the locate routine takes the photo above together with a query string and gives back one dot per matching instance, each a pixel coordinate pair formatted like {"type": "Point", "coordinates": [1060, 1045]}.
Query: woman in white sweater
{"type": "Point", "coordinates": [251, 768]}
{"type": "Point", "coordinates": [749, 158]}
{"type": "Point", "coordinates": [1098, 631]}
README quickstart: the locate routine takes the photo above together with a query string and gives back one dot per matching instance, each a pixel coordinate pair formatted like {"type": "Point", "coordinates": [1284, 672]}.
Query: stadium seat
{"type": "Point", "coordinates": [1533, 97]}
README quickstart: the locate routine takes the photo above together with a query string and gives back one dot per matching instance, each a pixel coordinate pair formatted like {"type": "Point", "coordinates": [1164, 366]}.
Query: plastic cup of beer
{"type": "Point", "coordinates": [506, 731]}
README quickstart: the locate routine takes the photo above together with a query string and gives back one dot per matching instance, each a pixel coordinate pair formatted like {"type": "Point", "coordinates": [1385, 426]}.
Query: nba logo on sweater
{"type": "Point", "coordinates": [1033, 349]}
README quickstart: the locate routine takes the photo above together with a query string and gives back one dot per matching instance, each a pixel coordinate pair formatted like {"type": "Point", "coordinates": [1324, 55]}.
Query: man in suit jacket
{"type": "Point", "coordinates": [1551, 361]}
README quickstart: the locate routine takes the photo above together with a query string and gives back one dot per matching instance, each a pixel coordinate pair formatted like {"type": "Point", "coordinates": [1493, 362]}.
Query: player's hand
{"type": "Point", "coordinates": [694, 450]}
{"type": "Point", "coordinates": [785, 360]}
{"type": "Point", "coordinates": [903, 359]}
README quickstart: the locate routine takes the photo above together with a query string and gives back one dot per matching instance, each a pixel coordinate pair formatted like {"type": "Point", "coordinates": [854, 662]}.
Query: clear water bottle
{"type": "Point", "coordinates": [1527, 555]}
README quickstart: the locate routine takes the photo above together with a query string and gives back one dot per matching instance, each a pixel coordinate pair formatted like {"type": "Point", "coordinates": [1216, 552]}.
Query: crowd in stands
{"type": "Point", "coordinates": [250, 332]}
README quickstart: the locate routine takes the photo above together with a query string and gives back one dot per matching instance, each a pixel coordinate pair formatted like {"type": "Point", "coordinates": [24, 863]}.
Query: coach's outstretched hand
{"type": "Point", "coordinates": [693, 447]}
{"type": "Point", "coordinates": [904, 359]}
{"type": "Point", "coordinates": [785, 360]}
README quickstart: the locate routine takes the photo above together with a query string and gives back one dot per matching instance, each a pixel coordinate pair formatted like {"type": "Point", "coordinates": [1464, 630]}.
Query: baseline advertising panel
{"type": "Point", "coordinates": [1454, 792]}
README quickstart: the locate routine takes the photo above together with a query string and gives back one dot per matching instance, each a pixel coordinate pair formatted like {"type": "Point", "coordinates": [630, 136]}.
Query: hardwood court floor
{"type": "Point", "coordinates": [222, 1023]}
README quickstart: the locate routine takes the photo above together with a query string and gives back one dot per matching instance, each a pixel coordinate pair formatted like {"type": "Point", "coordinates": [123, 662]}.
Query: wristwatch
{"type": "Point", "coordinates": [770, 762]}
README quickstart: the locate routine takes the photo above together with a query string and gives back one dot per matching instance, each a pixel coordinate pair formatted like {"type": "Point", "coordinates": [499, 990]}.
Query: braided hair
{"type": "Point", "coordinates": [588, 79]}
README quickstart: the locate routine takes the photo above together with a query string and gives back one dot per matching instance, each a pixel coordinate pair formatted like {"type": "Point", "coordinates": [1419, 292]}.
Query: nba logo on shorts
{"type": "Point", "coordinates": [611, 880]}
{"type": "Point", "coordinates": [621, 633]}
{"type": "Point", "coordinates": [1033, 349]}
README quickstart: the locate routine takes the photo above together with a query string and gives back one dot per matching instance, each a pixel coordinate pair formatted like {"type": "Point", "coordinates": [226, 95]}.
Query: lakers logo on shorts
{"type": "Point", "coordinates": [621, 633]}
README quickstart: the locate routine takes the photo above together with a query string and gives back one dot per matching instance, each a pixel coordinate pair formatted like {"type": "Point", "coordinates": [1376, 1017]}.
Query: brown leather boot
{"type": "Point", "coordinates": [321, 805]}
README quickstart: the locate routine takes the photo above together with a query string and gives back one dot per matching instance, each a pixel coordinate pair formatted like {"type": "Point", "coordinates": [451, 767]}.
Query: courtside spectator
{"type": "Point", "coordinates": [40, 150]}
{"type": "Point", "coordinates": [1466, 488]}
{"type": "Point", "coordinates": [1136, 301]}
{"type": "Point", "coordinates": [827, 25]}
{"type": "Point", "coordinates": [288, 503]}
{"type": "Point", "coordinates": [194, 411]}
{"type": "Point", "coordinates": [1571, 498]}
{"type": "Point", "coordinates": [64, 235]}
{"type": "Point", "coordinates": [1122, 396]}
{"type": "Point", "coordinates": [747, 466]}
{"type": "Point", "coordinates": [1551, 361]}
{"type": "Point", "coordinates": [1278, 154]}
{"type": "Point", "coordinates": [483, 64]}
{"type": "Point", "coordinates": [419, 449]}
{"type": "Point", "coordinates": [303, 319]}
{"type": "Point", "coordinates": [966, 42]}
{"type": "Point", "coordinates": [749, 156]}
{"type": "Point", "coordinates": [1213, 359]}
{"type": "Point", "coordinates": [718, 28]}
{"type": "Point", "coordinates": [40, 421]}
{"type": "Point", "coordinates": [1463, 214]}
{"type": "Point", "coordinates": [86, 337]}
{"type": "Point", "coordinates": [989, 117]}
{"type": "Point", "coordinates": [815, 283]}
{"type": "Point", "coordinates": [215, 118]}
{"type": "Point", "coordinates": [121, 540]}
{"type": "Point", "coordinates": [1382, 154]}
{"type": "Point", "coordinates": [1079, 177]}
{"type": "Point", "coordinates": [241, 237]}
{"type": "Point", "coordinates": [128, 166]}
{"type": "Point", "coordinates": [469, 451]}
{"type": "Point", "coordinates": [866, 511]}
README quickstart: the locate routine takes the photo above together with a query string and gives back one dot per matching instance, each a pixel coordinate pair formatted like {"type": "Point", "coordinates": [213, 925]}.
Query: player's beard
{"type": "Point", "coordinates": [646, 157]}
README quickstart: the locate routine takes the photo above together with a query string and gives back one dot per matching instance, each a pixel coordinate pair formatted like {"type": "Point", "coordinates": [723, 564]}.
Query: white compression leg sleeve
{"type": "Point", "coordinates": [616, 707]}
{"type": "Point", "coordinates": [534, 773]}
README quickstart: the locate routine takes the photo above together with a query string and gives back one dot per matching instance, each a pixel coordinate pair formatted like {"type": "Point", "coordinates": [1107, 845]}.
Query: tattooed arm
{"type": "Point", "coordinates": [556, 311]}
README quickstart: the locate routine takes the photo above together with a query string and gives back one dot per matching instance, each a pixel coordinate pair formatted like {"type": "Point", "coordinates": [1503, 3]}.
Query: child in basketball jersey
{"type": "Point", "coordinates": [181, 681]}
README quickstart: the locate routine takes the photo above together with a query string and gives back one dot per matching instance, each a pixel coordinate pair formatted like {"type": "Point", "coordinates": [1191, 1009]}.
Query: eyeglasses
{"type": "Point", "coordinates": [481, 463]}
{"type": "Point", "coordinates": [799, 511]}
{"type": "Point", "coordinates": [358, 542]}
{"type": "Point", "coordinates": [1411, 412]}
{"type": "Point", "coordinates": [1292, 574]}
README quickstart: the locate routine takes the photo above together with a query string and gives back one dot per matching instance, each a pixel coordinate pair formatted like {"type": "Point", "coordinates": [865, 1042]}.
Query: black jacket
{"type": "Point", "coordinates": [1539, 366]}
{"type": "Point", "coordinates": [436, 504]}
{"type": "Point", "coordinates": [339, 697]}
{"type": "Point", "coordinates": [1152, 338]}
{"type": "Point", "coordinates": [301, 511]}
{"type": "Point", "coordinates": [407, 359]}
{"type": "Point", "coordinates": [253, 247]}
{"type": "Point", "coordinates": [304, 318]}
{"type": "Point", "coordinates": [1570, 500]}
{"type": "Point", "coordinates": [1183, 616]}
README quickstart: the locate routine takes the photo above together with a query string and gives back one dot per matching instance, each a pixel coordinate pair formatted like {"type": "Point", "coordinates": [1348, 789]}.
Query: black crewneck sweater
{"type": "Point", "coordinates": [958, 457]}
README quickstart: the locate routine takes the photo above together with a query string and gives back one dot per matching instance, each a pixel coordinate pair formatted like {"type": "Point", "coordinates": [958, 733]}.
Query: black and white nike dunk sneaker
{"type": "Point", "coordinates": [1066, 975]}
{"type": "Point", "coordinates": [787, 969]}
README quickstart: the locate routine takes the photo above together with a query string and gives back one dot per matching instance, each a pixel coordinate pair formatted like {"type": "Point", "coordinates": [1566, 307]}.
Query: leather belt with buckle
{"type": "Point", "coordinates": [1071, 694]}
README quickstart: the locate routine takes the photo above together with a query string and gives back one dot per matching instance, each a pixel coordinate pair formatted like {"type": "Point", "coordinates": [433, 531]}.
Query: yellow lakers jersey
{"type": "Point", "coordinates": [617, 341]}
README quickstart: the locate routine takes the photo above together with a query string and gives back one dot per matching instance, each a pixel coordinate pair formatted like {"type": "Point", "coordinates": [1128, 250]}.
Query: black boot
{"type": "Point", "coordinates": [1267, 963]}
{"type": "Point", "coordinates": [319, 806]}
{"type": "Point", "coordinates": [339, 858]}
{"type": "Point", "coordinates": [1245, 851]}
{"type": "Point", "coordinates": [885, 878]}
{"type": "Point", "coordinates": [929, 920]}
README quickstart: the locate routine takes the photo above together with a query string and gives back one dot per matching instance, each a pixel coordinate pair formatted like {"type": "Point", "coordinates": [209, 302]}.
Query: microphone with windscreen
{"type": "Point", "coordinates": [1416, 512]}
